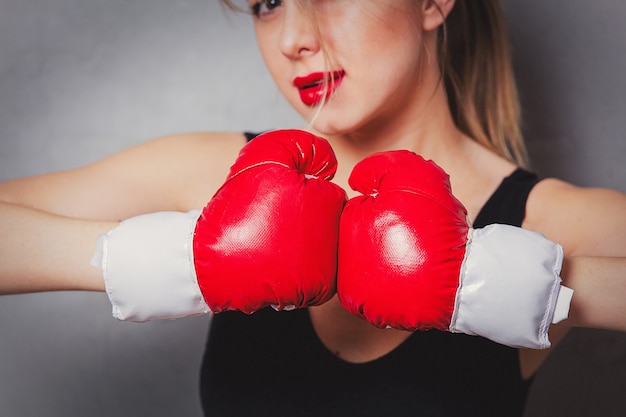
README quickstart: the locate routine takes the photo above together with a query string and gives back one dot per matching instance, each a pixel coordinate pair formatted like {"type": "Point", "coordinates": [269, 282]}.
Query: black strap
{"type": "Point", "coordinates": [507, 205]}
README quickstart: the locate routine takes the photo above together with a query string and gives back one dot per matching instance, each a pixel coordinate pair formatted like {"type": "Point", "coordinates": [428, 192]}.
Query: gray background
{"type": "Point", "coordinates": [80, 79]}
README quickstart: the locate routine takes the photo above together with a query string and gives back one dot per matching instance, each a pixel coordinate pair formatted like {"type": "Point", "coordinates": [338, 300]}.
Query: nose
{"type": "Point", "coordinates": [299, 35]}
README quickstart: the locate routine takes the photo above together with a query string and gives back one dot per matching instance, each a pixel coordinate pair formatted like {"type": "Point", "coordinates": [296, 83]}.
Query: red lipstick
{"type": "Point", "coordinates": [318, 86]}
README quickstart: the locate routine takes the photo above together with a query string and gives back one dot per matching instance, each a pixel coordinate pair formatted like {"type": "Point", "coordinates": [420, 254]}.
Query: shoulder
{"type": "Point", "coordinates": [585, 221]}
{"type": "Point", "coordinates": [191, 165]}
{"type": "Point", "coordinates": [190, 145]}
{"type": "Point", "coordinates": [174, 172]}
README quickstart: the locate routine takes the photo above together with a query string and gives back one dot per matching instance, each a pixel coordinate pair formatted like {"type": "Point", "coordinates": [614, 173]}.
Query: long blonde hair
{"type": "Point", "coordinates": [477, 69]}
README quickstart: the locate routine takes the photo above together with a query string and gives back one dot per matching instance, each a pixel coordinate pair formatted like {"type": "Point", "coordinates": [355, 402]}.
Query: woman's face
{"type": "Point", "coordinates": [375, 56]}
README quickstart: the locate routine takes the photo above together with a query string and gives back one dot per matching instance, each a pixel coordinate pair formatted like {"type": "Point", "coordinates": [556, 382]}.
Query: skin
{"type": "Point", "coordinates": [390, 98]}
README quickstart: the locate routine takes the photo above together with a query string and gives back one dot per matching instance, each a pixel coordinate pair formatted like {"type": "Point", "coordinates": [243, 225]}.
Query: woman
{"type": "Point", "coordinates": [387, 94]}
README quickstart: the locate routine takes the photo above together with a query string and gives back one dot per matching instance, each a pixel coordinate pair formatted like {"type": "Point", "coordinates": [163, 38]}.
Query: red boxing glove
{"type": "Point", "coordinates": [409, 260]}
{"type": "Point", "coordinates": [402, 243]}
{"type": "Point", "coordinates": [268, 236]}
{"type": "Point", "coordinates": [271, 231]}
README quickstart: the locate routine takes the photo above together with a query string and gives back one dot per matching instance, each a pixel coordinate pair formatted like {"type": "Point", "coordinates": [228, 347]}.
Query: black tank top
{"type": "Point", "coordinates": [273, 364]}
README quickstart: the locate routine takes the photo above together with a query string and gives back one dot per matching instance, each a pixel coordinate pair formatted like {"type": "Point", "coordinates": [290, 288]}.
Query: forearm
{"type": "Point", "coordinates": [599, 285]}
{"type": "Point", "coordinates": [44, 252]}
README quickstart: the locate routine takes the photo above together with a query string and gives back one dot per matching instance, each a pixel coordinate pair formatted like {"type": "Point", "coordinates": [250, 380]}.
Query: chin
{"type": "Point", "coordinates": [331, 119]}
{"type": "Point", "coordinates": [338, 124]}
{"type": "Point", "coordinates": [327, 129]}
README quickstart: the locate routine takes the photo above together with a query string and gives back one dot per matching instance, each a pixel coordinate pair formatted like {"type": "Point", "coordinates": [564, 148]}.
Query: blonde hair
{"type": "Point", "coordinates": [477, 69]}
{"type": "Point", "coordinates": [476, 62]}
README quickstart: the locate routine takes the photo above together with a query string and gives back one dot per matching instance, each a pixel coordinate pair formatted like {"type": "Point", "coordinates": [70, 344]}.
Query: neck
{"type": "Point", "coordinates": [425, 128]}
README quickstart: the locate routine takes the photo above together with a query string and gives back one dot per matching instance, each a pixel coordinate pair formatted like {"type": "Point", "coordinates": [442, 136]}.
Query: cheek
{"type": "Point", "coordinates": [377, 33]}
{"type": "Point", "coordinates": [275, 62]}
{"type": "Point", "coordinates": [280, 69]}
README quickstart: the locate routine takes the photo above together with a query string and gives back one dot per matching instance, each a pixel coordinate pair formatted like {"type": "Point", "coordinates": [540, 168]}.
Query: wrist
{"type": "Point", "coordinates": [148, 269]}
{"type": "Point", "coordinates": [510, 287]}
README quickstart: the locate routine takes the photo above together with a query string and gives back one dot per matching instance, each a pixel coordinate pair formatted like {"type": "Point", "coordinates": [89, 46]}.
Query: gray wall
{"type": "Point", "coordinates": [571, 59]}
{"type": "Point", "coordinates": [82, 79]}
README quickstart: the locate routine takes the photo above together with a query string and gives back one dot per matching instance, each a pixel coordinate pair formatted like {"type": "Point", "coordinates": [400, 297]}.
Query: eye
{"type": "Point", "coordinates": [264, 8]}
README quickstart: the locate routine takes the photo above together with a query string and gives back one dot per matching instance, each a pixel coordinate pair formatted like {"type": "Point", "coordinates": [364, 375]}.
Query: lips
{"type": "Point", "coordinates": [312, 87]}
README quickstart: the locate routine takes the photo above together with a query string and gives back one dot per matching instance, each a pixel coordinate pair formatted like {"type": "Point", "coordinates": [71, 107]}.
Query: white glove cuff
{"type": "Point", "coordinates": [510, 287]}
{"type": "Point", "coordinates": [148, 268]}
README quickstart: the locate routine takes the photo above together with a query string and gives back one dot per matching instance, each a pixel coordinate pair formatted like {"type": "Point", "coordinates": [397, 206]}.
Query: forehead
{"type": "Point", "coordinates": [317, 5]}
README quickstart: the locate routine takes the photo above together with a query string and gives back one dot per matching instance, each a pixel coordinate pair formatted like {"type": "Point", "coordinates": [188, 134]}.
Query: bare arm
{"type": "Point", "coordinates": [590, 224]}
{"type": "Point", "coordinates": [40, 251]}
{"type": "Point", "coordinates": [177, 172]}
{"type": "Point", "coordinates": [600, 287]}
{"type": "Point", "coordinates": [49, 224]}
